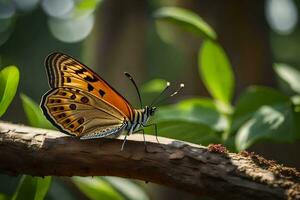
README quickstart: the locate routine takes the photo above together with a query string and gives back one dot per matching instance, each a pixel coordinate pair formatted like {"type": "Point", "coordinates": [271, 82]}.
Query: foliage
{"type": "Point", "coordinates": [128, 189]}
{"type": "Point", "coordinates": [268, 122]}
{"type": "Point", "coordinates": [4, 197]}
{"type": "Point", "coordinates": [187, 20]}
{"type": "Point", "coordinates": [289, 75]}
{"type": "Point", "coordinates": [34, 114]}
{"type": "Point", "coordinates": [260, 113]}
{"type": "Point", "coordinates": [109, 188]}
{"type": "Point", "coordinates": [9, 80]}
{"type": "Point", "coordinates": [96, 188]}
{"type": "Point", "coordinates": [32, 188]}
{"type": "Point", "coordinates": [216, 72]}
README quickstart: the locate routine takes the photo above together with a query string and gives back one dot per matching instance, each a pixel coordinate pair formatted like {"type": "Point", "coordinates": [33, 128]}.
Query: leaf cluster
{"type": "Point", "coordinates": [259, 113]}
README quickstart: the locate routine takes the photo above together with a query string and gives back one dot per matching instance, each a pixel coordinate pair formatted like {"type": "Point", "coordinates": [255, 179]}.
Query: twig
{"type": "Point", "coordinates": [196, 169]}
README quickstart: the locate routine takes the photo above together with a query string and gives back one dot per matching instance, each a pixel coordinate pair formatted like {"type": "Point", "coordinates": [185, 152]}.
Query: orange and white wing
{"type": "Point", "coordinates": [65, 71]}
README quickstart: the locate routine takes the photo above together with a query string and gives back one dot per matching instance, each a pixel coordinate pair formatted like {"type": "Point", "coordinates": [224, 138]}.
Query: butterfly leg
{"type": "Point", "coordinates": [145, 144]}
{"type": "Point", "coordinates": [124, 141]}
{"type": "Point", "coordinates": [128, 133]}
{"type": "Point", "coordinates": [155, 128]}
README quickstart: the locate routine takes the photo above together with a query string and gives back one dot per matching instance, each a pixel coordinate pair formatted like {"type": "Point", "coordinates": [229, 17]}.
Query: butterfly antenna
{"type": "Point", "coordinates": [181, 86]}
{"type": "Point", "coordinates": [154, 101]}
{"type": "Point", "coordinates": [136, 87]}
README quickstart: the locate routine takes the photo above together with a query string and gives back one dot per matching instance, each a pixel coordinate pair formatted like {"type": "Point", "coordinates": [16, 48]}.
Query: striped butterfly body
{"type": "Point", "coordinates": [82, 104]}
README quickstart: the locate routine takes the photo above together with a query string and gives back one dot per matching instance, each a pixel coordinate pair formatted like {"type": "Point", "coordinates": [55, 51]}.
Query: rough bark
{"type": "Point", "coordinates": [210, 171]}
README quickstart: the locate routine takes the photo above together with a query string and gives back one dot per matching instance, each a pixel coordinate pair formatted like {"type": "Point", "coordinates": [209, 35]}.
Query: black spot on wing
{"type": "Point", "coordinates": [91, 78]}
{"type": "Point", "coordinates": [101, 92]}
{"type": "Point", "coordinates": [80, 71]}
{"type": "Point", "coordinates": [84, 99]}
{"type": "Point", "coordinates": [90, 87]}
{"type": "Point", "coordinates": [81, 120]}
{"type": "Point", "coordinates": [73, 96]}
{"type": "Point", "coordinates": [72, 106]}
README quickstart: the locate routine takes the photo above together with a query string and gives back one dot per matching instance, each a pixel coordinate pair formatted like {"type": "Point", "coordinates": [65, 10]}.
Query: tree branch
{"type": "Point", "coordinates": [196, 169]}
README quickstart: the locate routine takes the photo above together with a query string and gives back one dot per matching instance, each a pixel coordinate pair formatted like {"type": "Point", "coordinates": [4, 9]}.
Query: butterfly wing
{"type": "Point", "coordinates": [65, 71]}
{"type": "Point", "coordinates": [82, 114]}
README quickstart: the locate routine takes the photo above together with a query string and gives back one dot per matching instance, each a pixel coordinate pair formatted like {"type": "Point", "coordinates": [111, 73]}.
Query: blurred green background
{"type": "Point", "coordinates": [240, 64]}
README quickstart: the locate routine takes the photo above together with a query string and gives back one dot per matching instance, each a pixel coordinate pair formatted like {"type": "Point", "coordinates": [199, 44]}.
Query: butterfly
{"type": "Point", "coordinates": [81, 103]}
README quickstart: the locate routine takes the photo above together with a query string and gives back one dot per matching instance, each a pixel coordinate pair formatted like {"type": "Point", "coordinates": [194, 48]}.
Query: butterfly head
{"type": "Point", "coordinates": [149, 111]}
{"type": "Point", "coordinates": [152, 110]}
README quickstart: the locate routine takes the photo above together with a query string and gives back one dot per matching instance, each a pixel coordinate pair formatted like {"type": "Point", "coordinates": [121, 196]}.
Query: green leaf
{"type": "Point", "coordinates": [187, 20]}
{"type": "Point", "coordinates": [4, 197]}
{"type": "Point", "coordinates": [296, 100]}
{"type": "Point", "coordinates": [201, 110]}
{"type": "Point", "coordinates": [251, 100]}
{"type": "Point", "coordinates": [43, 185]}
{"type": "Point", "coordinates": [192, 120]}
{"type": "Point", "coordinates": [297, 123]}
{"type": "Point", "coordinates": [95, 188]}
{"type": "Point", "coordinates": [296, 108]}
{"type": "Point", "coordinates": [127, 188]}
{"type": "Point", "coordinates": [274, 123]}
{"type": "Point", "coordinates": [26, 189]}
{"type": "Point", "coordinates": [32, 188]}
{"type": "Point", "coordinates": [290, 76]}
{"type": "Point", "coordinates": [60, 190]}
{"type": "Point", "coordinates": [216, 71]}
{"type": "Point", "coordinates": [154, 86]}
{"type": "Point", "coordinates": [9, 80]}
{"type": "Point", "coordinates": [34, 113]}
{"type": "Point", "coordinates": [152, 89]}
{"type": "Point", "coordinates": [86, 4]}
{"type": "Point", "coordinates": [187, 131]}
